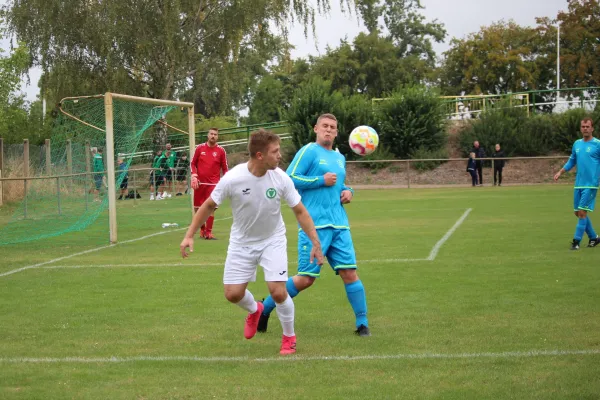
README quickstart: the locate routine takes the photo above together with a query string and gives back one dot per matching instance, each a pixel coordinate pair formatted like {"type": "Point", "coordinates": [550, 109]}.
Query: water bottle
{"type": "Point", "coordinates": [170, 225]}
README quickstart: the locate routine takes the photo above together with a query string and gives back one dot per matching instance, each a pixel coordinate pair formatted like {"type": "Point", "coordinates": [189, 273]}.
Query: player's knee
{"type": "Point", "coordinates": [348, 275]}
{"type": "Point", "coordinates": [279, 293]}
{"type": "Point", "coordinates": [234, 296]}
{"type": "Point", "coordinates": [302, 282]}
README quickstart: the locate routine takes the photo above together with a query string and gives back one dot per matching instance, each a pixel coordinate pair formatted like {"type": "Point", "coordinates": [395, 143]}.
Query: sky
{"type": "Point", "coordinates": [460, 17]}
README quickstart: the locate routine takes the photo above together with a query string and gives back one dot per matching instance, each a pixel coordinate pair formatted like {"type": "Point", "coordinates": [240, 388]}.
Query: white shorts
{"type": "Point", "coordinates": [242, 261]}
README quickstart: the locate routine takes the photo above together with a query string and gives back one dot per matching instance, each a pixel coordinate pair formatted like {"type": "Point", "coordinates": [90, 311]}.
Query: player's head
{"type": "Point", "coordinates": [476, 144]}
{"type": "Point", "coordinates": [184, 155]}
{"type": "Point", "coordinates": [100, 150]}
{"type": "Point", "coordinates": [213, 136]}
{"type": "Point", "coordinates": [497, 147]}
{"type": "Point", "coordinates": [587, 127]}
{"type": "Point", "coordinates": [158, 152]}
{"type": "Point", "coordinates": [264, 147]}
{"type": "Point", "coordinates": [326, 130]}
{"type": "Point", "coordinates": [119, 160]}
{"type": "Point", "coordinates": [168, 146]}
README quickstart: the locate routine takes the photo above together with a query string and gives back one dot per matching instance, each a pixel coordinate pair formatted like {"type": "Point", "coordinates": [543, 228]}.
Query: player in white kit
{"type": "Point", "coordinates": [257, 236]}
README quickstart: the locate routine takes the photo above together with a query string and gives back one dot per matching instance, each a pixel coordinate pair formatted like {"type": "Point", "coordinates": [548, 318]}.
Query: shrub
{"type": "Point", "coordinates": [518, 134]}
{"type": "Point", "coordinates": [382, 153]}
{"type": "Point", "coordinates": [410, 119]}
{"type": "Point", "coordinates": [423, 153]}
{"type": "Point", "coordinates": [567, 127]}
{"type": "Point", "coordinates": [351, 112]}
{"type": "Point", "coordinates": [311, 100]}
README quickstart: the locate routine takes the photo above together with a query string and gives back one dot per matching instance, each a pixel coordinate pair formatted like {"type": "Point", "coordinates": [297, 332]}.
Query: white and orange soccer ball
{"type": "Point", "coordinates": [363, 140]}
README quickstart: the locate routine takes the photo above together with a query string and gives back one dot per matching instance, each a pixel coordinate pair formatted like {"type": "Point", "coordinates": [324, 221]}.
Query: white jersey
{"type": "Point", "coordinates": [255, 202]}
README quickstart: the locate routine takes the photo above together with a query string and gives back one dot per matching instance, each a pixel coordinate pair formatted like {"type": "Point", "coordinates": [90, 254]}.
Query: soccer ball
{"type": "Point", "coordinates": [363, 140]}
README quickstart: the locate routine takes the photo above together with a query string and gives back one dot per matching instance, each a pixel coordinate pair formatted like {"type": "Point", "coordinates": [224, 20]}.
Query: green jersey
{"type": "Point", "coordinates": [98, 163]}
{"type": "Point", "coordinates": [159, 163]}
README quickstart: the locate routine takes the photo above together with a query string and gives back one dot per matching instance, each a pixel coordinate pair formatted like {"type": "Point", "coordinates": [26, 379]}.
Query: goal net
{"type": "Point", "coordinates": [76, 180]}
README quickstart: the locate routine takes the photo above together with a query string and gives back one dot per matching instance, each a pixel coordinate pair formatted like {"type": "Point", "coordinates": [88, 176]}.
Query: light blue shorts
{"type": "Point", "coordinates": [337, 246]}
{"type": "Point", "coordinates": [584, 199]}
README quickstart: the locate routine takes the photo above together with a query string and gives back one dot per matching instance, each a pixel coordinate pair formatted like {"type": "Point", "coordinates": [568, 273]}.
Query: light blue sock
{"type": "Point", "coordinates": [581, 224]}
{"type": "Point", "coordinates": [358, 301]}
{"type": "Point", "coordinates": [269, 303]}
{"type": "Point", "coordinates": [589, 229]}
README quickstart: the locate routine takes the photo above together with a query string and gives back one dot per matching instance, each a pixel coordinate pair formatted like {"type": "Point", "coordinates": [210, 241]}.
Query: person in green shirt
{"type": "Point", "coordinates": [171, 159]}
{"type": "Point", "coordinates": [157, 176]}
{"type": "Point", "coordinates": [98, 169]}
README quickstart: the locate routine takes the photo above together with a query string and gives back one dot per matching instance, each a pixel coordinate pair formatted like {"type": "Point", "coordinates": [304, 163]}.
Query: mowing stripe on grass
{"type": "Point", "coordinates": [14, 271]}
{"type": "Point", "coordinates": [422, 356]}
{"type": "Point", "coordinates": [443, 240]}
{"type": "Point", "coordinates": [216, 264]}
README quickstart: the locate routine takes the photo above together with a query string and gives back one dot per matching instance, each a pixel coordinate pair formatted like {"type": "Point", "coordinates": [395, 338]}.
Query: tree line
{"type": "Point", "coordinates": [232, 56]}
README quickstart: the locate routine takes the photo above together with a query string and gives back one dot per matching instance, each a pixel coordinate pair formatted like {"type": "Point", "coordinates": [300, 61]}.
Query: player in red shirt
{"type": "Point", "coordinates": [208, 162]}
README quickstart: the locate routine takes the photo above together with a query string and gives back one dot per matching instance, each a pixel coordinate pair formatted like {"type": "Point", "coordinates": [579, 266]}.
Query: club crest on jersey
{"type": "Point", "coordinates": [271, 193]}
{"type": "Point", "coordinates": [214, 153]}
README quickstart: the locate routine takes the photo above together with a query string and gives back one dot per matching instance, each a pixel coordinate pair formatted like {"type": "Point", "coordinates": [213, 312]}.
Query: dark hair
{"type": "Point", "coordinates": [588, 119]}
{"type": "Point", "coordinates": [260, 141]}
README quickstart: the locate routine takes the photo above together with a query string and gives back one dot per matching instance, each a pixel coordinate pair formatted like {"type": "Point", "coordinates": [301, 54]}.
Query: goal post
{"type": "Point", "coordinates": [110, 148]}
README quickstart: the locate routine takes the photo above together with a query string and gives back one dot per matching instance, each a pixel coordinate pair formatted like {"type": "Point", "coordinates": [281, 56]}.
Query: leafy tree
{"type": "Point", "coordinates": [500, 58]}
{"type": "Point", "coordinates": [372, 66]}
{"type": "Point", "coordinates": [579, 43]}
{"type": "Point", "coordinates": [160, 49]}
{"type": "Point", "coordinates": [269, 101]}
{"type": "Point", "coordinates": [14, 117]}
{"type": "Point", "coordinates": [405, 25]}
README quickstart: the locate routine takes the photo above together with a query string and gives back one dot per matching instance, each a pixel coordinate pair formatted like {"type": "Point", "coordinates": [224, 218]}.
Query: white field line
{"type": "Point", "coordinates": [443, 240]}
{"type": "Point", "coordinates": [431, 257]}
{"type": "Point", "coordinates": [416, 356]}
{"type": "Point", "coordinates": [14, 271]}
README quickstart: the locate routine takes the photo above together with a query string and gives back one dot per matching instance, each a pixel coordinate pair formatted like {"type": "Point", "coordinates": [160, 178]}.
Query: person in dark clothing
{"type": "Point", "coordinates": [472, 169]}
{"type": "Point", "coordinates": [498, 165]}
{"type": "Point", "coordinates": [479, 153]}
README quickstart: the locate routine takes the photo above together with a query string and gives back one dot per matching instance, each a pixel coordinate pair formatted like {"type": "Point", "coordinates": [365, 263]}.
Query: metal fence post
{"type": "Point", "coordinates": [58, 193]}
{"type": "Point", "coordinates": [25, 173]}
{"type": "Point", "coordinates": [408, 172]}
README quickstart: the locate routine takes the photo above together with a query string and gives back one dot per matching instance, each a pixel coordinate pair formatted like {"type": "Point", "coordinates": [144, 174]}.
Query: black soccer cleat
{"type": "Point", "coordinates": [263, 322]}
{"type": "Point", "coordinates": [363, 330]}
{"type": "Point", "coordinates": [594, 242]}
{"type": "Point", "coordinates": [575, 245]}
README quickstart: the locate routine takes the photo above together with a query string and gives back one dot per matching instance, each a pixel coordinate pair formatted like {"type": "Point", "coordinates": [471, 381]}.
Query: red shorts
{"type": "Point", "coordinates": [202, 194]}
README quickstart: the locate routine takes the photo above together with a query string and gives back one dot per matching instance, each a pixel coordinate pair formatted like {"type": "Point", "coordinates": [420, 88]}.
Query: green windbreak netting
{"type": "Point", "coordinates": [67, 191]}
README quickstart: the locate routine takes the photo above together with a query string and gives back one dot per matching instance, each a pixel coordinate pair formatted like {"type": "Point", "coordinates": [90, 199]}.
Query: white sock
{"type": "Point", "coordinates": [248, 303]}
{"type": "Point", "coordinates": [285, 312]}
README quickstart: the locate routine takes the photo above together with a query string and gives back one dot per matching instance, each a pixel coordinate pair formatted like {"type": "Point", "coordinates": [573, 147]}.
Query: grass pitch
{"type": "Point", "coordinates": [501, 310]}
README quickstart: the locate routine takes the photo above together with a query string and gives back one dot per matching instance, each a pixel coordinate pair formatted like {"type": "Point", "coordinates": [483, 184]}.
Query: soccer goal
{"type": "Point", "coordinates": [72, 180]}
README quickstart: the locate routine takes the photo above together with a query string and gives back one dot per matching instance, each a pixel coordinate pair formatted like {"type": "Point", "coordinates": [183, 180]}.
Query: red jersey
{"type": "Point", "coordinates": [208, 162]}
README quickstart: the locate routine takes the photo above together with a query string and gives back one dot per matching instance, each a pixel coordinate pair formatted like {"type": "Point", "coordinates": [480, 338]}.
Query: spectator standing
{"type": "Point", "coordinates": [498, 165]}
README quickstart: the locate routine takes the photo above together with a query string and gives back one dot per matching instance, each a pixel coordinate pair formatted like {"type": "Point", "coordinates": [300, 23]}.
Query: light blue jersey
{"type": "Point", "coordinates": [586, 156]}
{"type": "Point", "coordinates": [322, 202]}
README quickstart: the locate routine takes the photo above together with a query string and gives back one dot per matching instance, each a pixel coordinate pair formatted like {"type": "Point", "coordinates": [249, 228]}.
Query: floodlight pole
{"type": "Point", "coordinates": [110, 168]}
{"type": "Point", "coordinates": [558, 60]}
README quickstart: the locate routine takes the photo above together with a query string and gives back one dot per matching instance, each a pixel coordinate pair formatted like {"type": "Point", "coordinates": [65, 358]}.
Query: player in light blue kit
{"type": "Point", "coordinates": [319, 173]}
{"type": "Point", "coordinates": [586, 156]}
